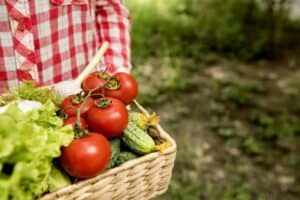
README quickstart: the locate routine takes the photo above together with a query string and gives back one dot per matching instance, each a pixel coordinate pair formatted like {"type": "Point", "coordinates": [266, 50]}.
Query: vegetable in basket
{"type": "Point", "coordinates": [119, 156]}
{"type": "Point", "coordinates": [137, 139]}
{"type": "Point", "coordinates": [73, 120]}
{"type": "Point", "coordinates": [115, 145]}
{"type": "Point", "coordinates": [29, 142]}
{"type": "Point", "coordinates": [93, 80]}
{"type": "Point", "coordinates": [124, 157]}
{"type": "Point", "coordinates": [121, 85]}
{"type": "Point", "coordinates": [58, 179]}
{"type": "Point", "coordinates": [28, 91]}
{"type": "Point", "coordinates": [87, 156]}
{"type": "Point", "coordinates": [143, 121]}
{"type": "Point", "coordinates": [108, 116]}
{"type": "Point", "coordinates": [71, 104]}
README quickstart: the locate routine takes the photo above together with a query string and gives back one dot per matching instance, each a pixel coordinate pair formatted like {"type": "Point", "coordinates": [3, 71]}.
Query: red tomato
{"type": "Point", "coordinates": [93, 81]}
{"type": "Point", "coordinates": [72, 121]}
{"type": "Point", "coordinates": [71, 103]}
{"type": "Point", "coordinates": [86, 157]}
{"type": "Point", "coordinates": [123, 87]}
{"type": "Point", "coordinates": [110, 120]}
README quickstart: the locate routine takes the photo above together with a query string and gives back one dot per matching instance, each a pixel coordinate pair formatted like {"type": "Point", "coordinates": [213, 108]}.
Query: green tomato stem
{"type": "Point", "coordinates": [79, 132]}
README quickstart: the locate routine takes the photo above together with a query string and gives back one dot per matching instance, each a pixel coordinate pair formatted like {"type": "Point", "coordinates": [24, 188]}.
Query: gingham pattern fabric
{"type": "Point", "coordinates": [53, 40]}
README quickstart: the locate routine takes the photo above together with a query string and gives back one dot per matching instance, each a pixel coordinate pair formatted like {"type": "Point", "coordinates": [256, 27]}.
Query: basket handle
{"type": "Point", "coordinates": [140, 107]}
{"type": "Point", "coordinates": [92, 64]}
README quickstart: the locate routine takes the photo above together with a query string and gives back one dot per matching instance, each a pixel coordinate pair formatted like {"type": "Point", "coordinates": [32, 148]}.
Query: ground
{"type": "Point", "coordinates": [236, 125]}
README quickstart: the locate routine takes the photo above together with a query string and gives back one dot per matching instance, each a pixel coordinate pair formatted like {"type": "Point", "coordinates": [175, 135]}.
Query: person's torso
{"type": "Point", "coordinates": [52, 39]}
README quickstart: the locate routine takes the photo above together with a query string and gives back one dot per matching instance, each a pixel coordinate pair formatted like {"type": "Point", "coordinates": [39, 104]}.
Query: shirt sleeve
{"type": "Point", "coordinates": [113, 25]}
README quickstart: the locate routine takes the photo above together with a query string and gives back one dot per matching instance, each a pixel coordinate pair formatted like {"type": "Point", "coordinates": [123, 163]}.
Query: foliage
{"type": "Point", "coordinates": [168, 81]}
{"type": "Point", "coordinates": [226, 28]}
{"type": "Point", "coordinates": [156, 31]}
{"type": "Point", "coordinates": [191, 27]}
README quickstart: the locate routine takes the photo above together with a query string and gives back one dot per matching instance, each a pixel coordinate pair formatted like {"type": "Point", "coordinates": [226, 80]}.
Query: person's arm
{"type": "Point", "coordinates": [113, 25]}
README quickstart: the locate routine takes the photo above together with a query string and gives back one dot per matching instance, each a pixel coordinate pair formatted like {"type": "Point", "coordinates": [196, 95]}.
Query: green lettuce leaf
{"type": "Point", "coordinates": [28, 90]}
{"type": "Point", "coordinates": [28, 144]}
{"type": "Point", "coordinates": [57, 180]}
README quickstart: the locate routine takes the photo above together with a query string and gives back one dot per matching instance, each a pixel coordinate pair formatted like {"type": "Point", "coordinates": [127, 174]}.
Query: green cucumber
{"type": "Point", "coordinates": [137, 139]}
{"type": "Point", "coordinates": [115, 151]}
{"type": "Point", "coordinates": [125, 156]}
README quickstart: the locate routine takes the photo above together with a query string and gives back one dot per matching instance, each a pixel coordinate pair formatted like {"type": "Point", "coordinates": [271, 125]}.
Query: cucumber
{"type": "Point", "coordinates": [137, 139]}
{"type": "Point", "coordinates": [139, 119]}
{"type": "Point", "coordinates": [125, 156]}
{"type": "Point", "coordinates": [115, 145]}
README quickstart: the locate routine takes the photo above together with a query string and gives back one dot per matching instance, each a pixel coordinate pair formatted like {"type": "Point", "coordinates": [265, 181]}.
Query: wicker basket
{"type": "Point", "coordinates": [138, 179]}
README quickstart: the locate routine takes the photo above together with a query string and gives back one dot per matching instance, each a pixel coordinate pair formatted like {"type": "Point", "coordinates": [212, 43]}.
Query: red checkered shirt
{"type": "Point", "coordinates": [53, 40]}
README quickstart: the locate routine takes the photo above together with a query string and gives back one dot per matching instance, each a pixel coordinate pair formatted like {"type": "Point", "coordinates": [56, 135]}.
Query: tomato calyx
{"type": "Point", "coordinates": [102, 102]}
{"type": "Point", "coordinates": [79, 131]}
{"type": "Point", "coordinates": [78, 98]}
{"type": "Point", "coordinates": [103, 75]}
{"type": "Point", "coordinates": [113, 84]}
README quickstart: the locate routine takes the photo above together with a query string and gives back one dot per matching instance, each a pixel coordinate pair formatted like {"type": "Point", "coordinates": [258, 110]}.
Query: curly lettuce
{"type": "Point", "coordinates": [28, 90]}
{"type": "Point", "coordinates": [28, 144]}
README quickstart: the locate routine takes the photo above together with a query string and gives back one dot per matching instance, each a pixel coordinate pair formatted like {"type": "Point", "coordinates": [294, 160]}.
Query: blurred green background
{"type": "Point", "coordinates": [225, 78]}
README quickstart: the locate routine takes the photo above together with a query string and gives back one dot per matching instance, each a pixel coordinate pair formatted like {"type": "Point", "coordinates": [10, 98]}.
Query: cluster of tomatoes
{"type": "Point", "coordinates": [100, 110]}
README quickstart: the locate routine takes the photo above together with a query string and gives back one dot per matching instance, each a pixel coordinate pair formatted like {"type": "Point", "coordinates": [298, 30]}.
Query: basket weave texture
{"type": "Point", "coordinates": [139, 179]}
